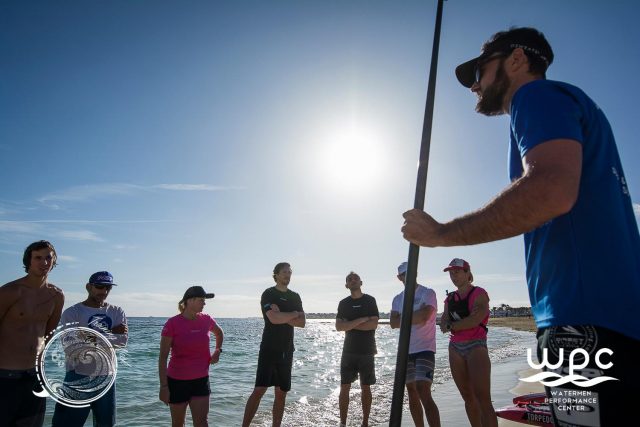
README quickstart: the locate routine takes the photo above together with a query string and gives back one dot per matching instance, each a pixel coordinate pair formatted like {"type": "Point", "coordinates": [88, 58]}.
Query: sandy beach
{"type": "Point", "coordinates": [517, 323]}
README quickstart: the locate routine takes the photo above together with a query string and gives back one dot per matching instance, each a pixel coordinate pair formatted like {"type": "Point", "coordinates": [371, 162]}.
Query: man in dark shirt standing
{"type": "Point", "coordinates": [281, 310]}
{"type": "Point", "coordinates": [358, 317]}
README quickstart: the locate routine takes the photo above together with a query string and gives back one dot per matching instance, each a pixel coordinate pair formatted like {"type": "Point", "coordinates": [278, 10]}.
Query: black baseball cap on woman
{"type": "Point", "coordinates": [530, 40]}
{"type": "Point", "coordinates": [196, 292]}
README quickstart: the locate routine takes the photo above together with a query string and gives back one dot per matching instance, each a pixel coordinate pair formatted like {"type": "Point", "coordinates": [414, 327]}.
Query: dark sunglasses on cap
{"type": "Point", "coordinates": [481, 64]}
{"type": "Point", "coordinates": [528, 50]}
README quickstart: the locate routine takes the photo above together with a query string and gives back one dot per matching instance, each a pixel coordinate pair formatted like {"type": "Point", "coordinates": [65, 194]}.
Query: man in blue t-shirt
{"type": "Point", "coordinates": [570, 199]}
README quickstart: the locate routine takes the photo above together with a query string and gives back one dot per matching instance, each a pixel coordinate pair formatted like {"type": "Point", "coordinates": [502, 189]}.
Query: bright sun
{"type": "Point", "coordinates": [351, 160]}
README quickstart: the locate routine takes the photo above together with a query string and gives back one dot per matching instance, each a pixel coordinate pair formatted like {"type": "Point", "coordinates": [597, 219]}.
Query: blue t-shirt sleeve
{"type": "Point", "coordinates": [542, 111]}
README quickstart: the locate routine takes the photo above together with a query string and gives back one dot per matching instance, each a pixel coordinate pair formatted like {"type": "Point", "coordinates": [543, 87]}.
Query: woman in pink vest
{"type": "Point", "coordinates": [466, 313]}
{"type": "Point", "coordinates": [186, 381]}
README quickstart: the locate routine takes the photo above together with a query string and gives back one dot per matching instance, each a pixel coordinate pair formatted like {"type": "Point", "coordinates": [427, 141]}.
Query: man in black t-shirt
{"type": "Point", "coordinates": [281, 310]}
{"type": "Point", "coordinates": [358, 317]}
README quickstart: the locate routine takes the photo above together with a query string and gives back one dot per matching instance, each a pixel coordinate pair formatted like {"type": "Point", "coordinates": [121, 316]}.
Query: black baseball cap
{"type": "Point", "coordinates": [196, 292]}
{"type": "Point", "coordinates": [530, 40]}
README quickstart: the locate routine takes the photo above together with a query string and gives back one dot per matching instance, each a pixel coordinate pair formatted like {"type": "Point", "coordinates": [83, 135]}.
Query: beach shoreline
{"type": "Point", "coordinates": [525, 323]}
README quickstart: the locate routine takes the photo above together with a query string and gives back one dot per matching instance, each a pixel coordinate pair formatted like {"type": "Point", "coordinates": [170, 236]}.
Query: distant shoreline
{"type": "Point", "coordinates": [517, 323]}
{"type": "Point", "coordinates": [525, 323]}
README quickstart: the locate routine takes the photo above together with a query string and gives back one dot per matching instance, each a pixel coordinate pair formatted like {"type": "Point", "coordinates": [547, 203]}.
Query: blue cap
{"type": "Point", "coordinates": [101, 278]}
{"type": "Point", "coordinates": [402, 268]}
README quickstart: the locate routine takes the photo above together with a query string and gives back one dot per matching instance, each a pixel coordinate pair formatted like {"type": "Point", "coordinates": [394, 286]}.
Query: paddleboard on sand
{"type": "Point", "coordinates": [528, 409]}
{"type": "Point", "coordinates": [530, 398]}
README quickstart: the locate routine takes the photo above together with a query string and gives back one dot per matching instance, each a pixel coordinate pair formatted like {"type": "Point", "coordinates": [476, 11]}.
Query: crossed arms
{"type": "Point", "coordinates": [293, 318]}
{"type": "Point", "coordinates": [367, 323]}
{"type": "Point", "coordinates": [420, 316]}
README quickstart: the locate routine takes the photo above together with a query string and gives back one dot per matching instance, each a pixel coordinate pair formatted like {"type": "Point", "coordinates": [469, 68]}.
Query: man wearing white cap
{"type": "Point", "coordinates": [111, 322]}
{"type": "Point", "coordinates": [422, 349]}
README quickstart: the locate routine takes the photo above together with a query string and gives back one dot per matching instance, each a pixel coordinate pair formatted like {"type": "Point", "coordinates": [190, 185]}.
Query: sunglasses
{"type": "Point", "coordinates": [481, 64]}
{"type": "Point", "coordinates": [101, 287]}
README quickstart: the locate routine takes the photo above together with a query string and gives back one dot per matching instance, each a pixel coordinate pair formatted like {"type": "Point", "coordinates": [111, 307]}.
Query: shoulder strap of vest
{"type": "Point", "coordinates": [483, 325]}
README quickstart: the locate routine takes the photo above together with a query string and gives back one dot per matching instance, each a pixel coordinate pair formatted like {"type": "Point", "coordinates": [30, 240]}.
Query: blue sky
{"type": "Point", "coordinates": [201, 142]}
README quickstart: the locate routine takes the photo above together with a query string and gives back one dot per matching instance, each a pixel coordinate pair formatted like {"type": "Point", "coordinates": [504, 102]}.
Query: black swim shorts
{"type": "Point", "coordinates": [182, 391]}
{"type": "Point", "coordinates": [353, 364]}
{"type": "Point", "coordinates": [274, 369]}
{"type": "Point", "coordinates": [18, 404]}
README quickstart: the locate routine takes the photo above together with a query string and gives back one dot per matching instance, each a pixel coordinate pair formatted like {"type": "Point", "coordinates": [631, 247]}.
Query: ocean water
{"type": "Point", "coordinates": [313, 399]}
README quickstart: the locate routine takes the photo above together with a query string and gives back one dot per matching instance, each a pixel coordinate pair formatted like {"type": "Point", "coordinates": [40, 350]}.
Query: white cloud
{"type": "Point", "coordinates": [121, 247]}
{"type": "Point", "coordinates": [636, 210]}
{"type": "Point", "coordinates": [67, 258]}
{"type": "Point", "coordinates": [241, 298]}
{"type": "Point", "coordinates": [88, 192]}
{"type": "Point", "coordinates": [19, 227]}
{"type": "Point", "coordinates": [96, 191]}
{"type": "Point", "coordinates": [36, 228]}
{"type": "Point", "coordinates": [166, 304]}
{"type": "Point", "coordinates": [194, 187]}
{"type": "Point", "coordinates": [79, 235]}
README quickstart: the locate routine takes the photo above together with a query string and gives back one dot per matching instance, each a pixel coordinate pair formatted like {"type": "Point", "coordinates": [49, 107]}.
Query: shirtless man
{"type": "Point", "coordinates": [30, 309]}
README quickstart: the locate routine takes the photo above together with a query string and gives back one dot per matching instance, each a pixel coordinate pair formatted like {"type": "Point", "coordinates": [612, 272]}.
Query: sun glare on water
{"type": "Point", "coordinates": [351, 161]}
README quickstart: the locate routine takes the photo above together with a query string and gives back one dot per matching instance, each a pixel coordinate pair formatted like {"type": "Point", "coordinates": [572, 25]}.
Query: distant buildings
{"type": "Point", "coordinates": [505, 310]}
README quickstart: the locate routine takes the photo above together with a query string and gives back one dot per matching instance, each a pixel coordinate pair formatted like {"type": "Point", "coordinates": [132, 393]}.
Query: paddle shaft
{"type": "Point", "coordinates": [414, 250]}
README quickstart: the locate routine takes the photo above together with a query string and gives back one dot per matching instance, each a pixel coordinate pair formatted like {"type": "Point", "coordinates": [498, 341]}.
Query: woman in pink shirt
{"type": "Point", "coordinates": [186, 380]}
{"type": "Point", "coordinates": [466, 313]}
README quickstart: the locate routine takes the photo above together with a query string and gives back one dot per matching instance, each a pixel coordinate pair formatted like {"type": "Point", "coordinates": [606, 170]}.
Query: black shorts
{"type": "Point", "coordinates": [353, 364]}
{"type": "Point", "coordinates": [181, 391]}
{"type": "Point", "coordinates": [274, 369]}
{"type": "Point", "coordinates": [609, 403]}
{"type": "Point", "coordinates": [18, 404]}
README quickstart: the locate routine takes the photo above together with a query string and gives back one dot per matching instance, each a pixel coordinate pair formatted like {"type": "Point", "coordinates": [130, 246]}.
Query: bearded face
{"type": "Point", "coordinates": [492, 97]}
